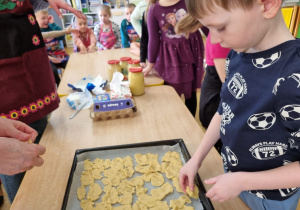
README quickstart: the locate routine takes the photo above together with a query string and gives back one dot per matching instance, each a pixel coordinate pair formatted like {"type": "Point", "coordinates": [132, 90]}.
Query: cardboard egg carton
{"type": "Point", "coordinates": [113, 109]}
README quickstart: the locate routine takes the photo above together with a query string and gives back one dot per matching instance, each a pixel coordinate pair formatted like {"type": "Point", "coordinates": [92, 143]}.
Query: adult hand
{"type": "Point", "coordinates": [17, 156]}
{"type": "Point", "coordinates": [61, 4]}
{"type": "Point", "coordinates": [51, 19]}
{"type": "Point", "coordinates": [54, 60]}
{"type": "Point", "coordinates": [187, 175]}
{"type": "Point", "coordinates": [225, 187]}
{"type": "Point", "coordinates": [16, 129]}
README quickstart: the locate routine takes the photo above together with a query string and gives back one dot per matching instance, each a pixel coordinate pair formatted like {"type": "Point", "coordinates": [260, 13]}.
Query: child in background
{"type": "Point", "coordinates": [137, 16]}
{"type": "Point", "coordinates": [84, 38]}
{"type": "Point", "coordinates": [107, 33]}
{"type": "Point", "coordinates": [258, 117]}
{"type": "Point", "coordinates": [128, 34]}
{"type": "Point", "coordinates": [215, 57]}
{"type": "Point", "coordinates": [179, 61]}
{"type": "Point", "coordinates": [56, 53]}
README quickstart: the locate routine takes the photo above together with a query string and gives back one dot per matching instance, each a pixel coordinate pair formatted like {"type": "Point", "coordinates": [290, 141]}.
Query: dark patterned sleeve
{"type": "Point", "coordinates": [287, 105]}
{"type": "Point", "coordinates": [39, 5]}
{"type": "Point", "coordinates": [116, 30]}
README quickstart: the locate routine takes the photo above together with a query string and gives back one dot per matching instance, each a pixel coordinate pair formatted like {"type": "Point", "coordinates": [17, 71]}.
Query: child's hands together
{"type": "Point", "coordinates": [91, 48]}
{"type": "Point", "coordinates": [225, 187]}
{"type": "Point", "coordinates": [83, 49]}
{"type": "Point", "coordinates": [61, 4]}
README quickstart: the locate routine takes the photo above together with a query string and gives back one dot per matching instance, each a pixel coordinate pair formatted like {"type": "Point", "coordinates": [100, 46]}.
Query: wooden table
{"type": "Point", "coordinates": [161, 115]}
{"type": "Point", "coordinates": [82, 65]}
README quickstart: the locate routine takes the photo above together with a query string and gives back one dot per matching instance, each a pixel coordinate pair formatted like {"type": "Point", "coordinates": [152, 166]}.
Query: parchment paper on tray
{"type": "Point", "coordinates": [73, 202]}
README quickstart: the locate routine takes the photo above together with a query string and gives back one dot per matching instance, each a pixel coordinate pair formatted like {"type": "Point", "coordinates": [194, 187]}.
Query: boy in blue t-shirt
{"type": "Point", "coordinates": [258, 119]}
{"type": "Point", "coordinates": [56, 53]}
{"type": "Point", "coordinates": [128, 33]}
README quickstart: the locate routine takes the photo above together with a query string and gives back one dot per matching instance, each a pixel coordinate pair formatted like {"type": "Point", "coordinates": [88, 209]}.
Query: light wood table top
{"type": "Point", "coordinates": [161, 115]}
{"type": "Point", "coordinates": [82, 65]}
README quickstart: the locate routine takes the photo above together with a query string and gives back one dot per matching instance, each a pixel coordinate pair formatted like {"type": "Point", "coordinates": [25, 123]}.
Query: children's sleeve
{"type": "Point", "coordinates": [287, 105]}
{"type": "Point", "coordinates": [124, 35]}
{"type": "Point", "coordinates": [55, 27]}
{"type": "Point", "coordinates": [144, 41]}
{"type": "Point", "coordinates": [116, 30]}
{"type": "Point", "coordinates": [154, 36]}
{"type": "Point", "coordinates": [97, 36]}
{"type": "Point", "coordinates": [38, 5]}
{"type": "Point", "coordinates": [136, 16]}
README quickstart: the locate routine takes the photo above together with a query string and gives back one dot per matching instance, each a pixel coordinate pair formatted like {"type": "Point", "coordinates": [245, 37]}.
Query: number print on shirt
{"type": "Point", "coordinates": [262, 121]}
{"type": "Point", "coordinates": [262, 63]}
{"type": "Point", "coordinates": [237, 86]}
{"type": "Point", "coordinates": [268, 150]}
{"type": "Point", "coordinates": [290, 112]}
{"type": "Point", "coordinates": [226, 117]}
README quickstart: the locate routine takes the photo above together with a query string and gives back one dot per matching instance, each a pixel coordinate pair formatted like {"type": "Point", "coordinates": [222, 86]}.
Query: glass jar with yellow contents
{"type": "Point", "coordinates": [133, 63]}
{"type": "Point", "coordinates": [136, 81]}
{"type": "Point", "coordinates": [124, 66]}
{"type": "Point", "coordinates": [112, 67]}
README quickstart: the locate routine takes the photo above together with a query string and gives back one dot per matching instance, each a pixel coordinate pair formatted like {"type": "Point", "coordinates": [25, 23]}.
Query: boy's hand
{"type": "Point", "coordinates": [187, 175]}
{"type": "Point", "coordinates": [225, 187]}
{"type": "Point", "coordinates": [54, 60]}
{"type": "Point", "coordinates": [51, 19]}
{"type": "Point", "coordinates": [69, 30]}
{"type": "Point", "coordinates": [91, 48]}
{"type": "Point", "coordinates": [61, 4]}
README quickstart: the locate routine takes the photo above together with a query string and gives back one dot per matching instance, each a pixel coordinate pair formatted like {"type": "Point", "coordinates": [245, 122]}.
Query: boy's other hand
{"type": "Point", "coordinates": [225, 187]}
{"type": "Point", "coordinates": [62, 4]}
{"type": "Point", "coordinates": [51, 19]}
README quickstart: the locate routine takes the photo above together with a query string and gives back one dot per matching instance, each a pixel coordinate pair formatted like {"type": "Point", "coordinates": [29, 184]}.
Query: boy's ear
{"type": "Point", "coordinates": [271, 7]}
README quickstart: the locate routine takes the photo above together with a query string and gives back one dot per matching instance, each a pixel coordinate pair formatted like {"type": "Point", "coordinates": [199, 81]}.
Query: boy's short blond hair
{"type": "Point", "coordinates": [200, 8]}
{"type": "Point", "coordinates": [105, 8]}
{"type": "Point", "coordinates": [130, 5]}
{"type": "Point", "coordinates": [44, 12]}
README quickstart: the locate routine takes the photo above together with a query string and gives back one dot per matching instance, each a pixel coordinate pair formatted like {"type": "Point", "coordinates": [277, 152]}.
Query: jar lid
{"type": "Point", "coordinates": [125, 59]}
{"type": "Point", "coordinates": [113, 61]}
{"type": "Point", "coordinates": [134, 61]}
{"type": "Point", "coordinates": [135, 69]}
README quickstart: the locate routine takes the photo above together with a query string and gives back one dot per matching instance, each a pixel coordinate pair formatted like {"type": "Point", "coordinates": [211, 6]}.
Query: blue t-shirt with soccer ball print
{"type": "Point", "coordinates": [260, 108]}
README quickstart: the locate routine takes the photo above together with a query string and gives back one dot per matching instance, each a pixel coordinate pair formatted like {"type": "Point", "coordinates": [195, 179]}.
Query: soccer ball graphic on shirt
{"type": "Point", "coordinates": [290, 112]}
{"type": "Point", "coordinates": [232, 159]}
{"type": "Point", "coordinates": [257, 193]}
{"type": "Point", "coordinates": [262, 121]}
{"type": "Point", "coordinates": [266, 62]}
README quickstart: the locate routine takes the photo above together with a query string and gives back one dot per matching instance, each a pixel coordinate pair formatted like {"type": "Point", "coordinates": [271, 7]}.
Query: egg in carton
{"type": "Point", "coordinates": [112, 109]}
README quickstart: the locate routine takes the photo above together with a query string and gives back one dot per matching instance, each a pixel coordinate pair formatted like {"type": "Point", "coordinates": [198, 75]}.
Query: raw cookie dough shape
{"type": "Point", "coordinates": [111, 196]}
{"type": "Point", "coordinates": [81, 192]}
{"type": "Point", "coordinates": [157, 179]}
{"type": "Point", "coordinates": [86, 178]}
{"type": "Point", "coordinates": [160, 205]}
{"type": "Point", "coordinates": [162, 192]}
{"type": "Point", "coordinates": [88, 165]}
{"type": "Point", "coordinates": [147, 200]}
{"type": "Point", "coordinates": [94, 192]}
{"type": "Point", "coordinates": [139, 206]}
{"type": "Point", "coordinates": [194, 194]}
{"type": "Point", "coordinates": [179, 203]}
{"type": "Point", "coordinates": [126, 199]}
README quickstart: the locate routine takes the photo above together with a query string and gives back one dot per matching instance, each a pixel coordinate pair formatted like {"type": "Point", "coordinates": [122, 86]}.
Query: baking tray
{"type": "Point", "coordinates": [206, 203]}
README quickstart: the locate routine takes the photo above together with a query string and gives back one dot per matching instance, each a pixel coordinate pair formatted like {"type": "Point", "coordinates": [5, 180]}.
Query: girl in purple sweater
{"type": "Point", "coordinates": [178, 60]}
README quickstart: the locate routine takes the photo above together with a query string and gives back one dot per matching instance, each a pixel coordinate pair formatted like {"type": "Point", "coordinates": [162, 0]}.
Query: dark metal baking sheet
{"type": "Point", "coordinates": [207, 205]}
